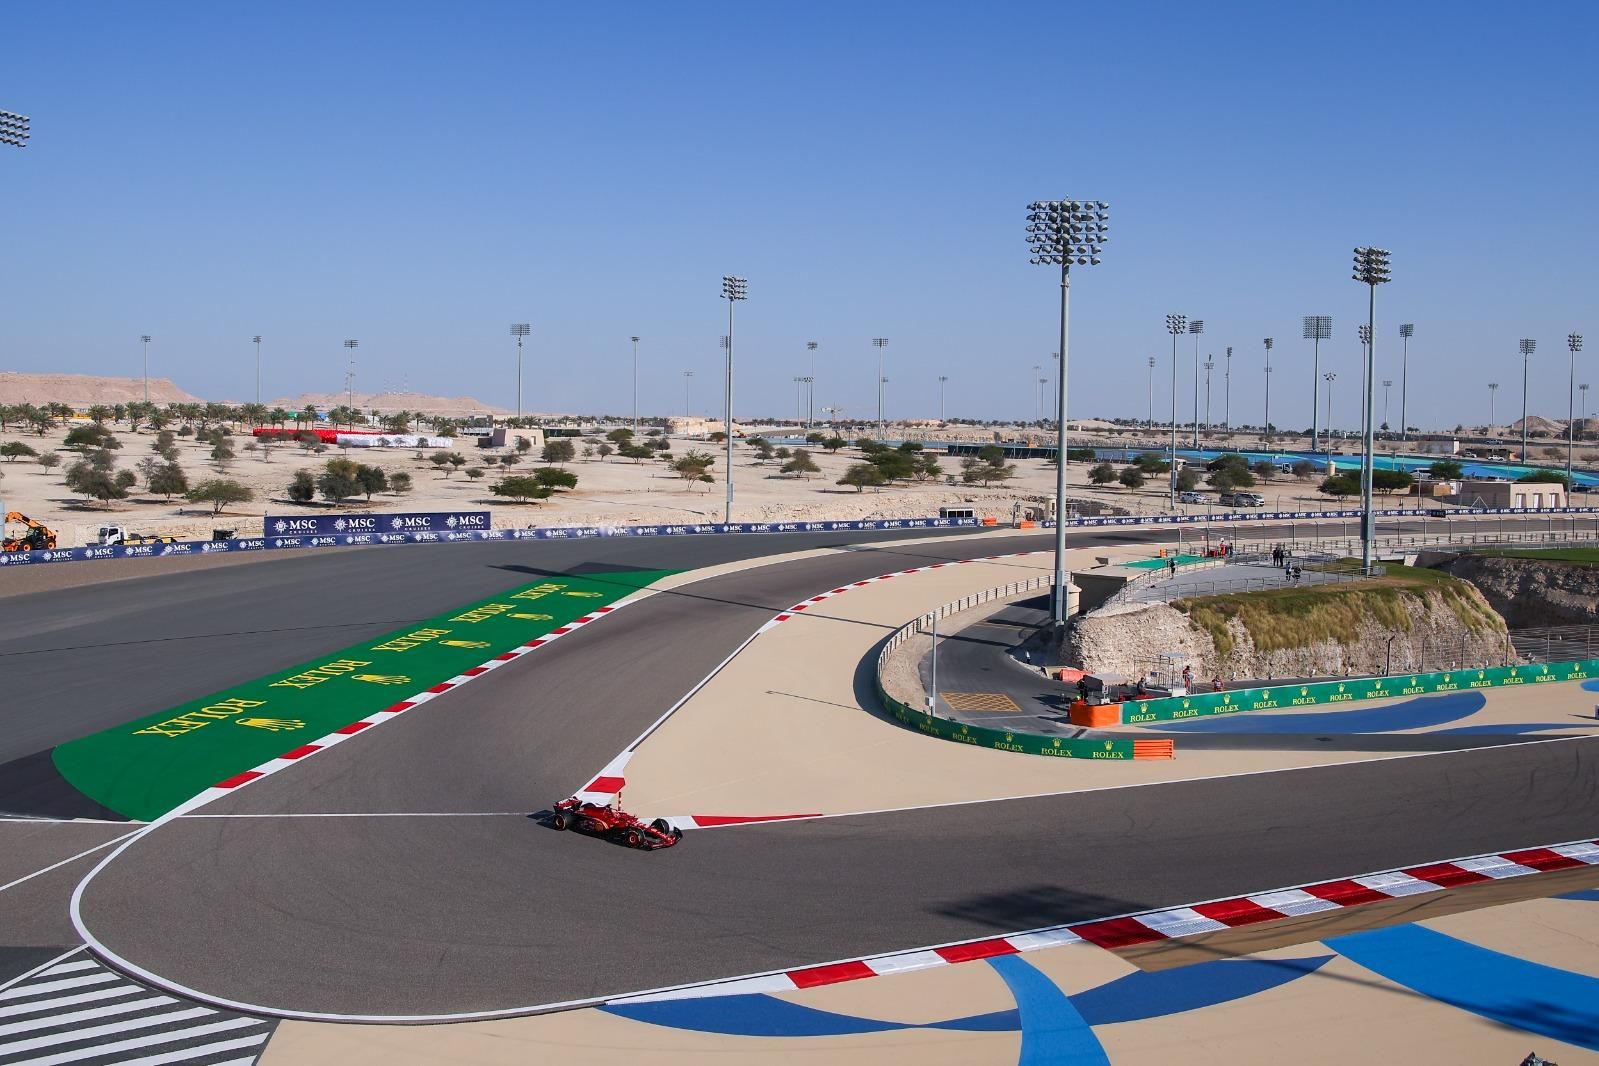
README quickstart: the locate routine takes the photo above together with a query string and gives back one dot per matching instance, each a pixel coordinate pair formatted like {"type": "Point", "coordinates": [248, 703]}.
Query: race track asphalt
{"type": "Point", "coordinates": [426, 916]}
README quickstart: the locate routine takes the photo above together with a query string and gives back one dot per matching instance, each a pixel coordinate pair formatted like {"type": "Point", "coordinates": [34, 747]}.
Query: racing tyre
{"type": "Point", "coordinates": [633, 838]}
{"type": "Point", "coordinates": [560, 821]}
{"type": "Point", "coordinates": [662, 826]}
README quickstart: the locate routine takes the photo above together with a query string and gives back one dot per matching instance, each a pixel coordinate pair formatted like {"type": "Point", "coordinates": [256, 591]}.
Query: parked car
{"type": "Point", "coordinates": [1191, 497]}
{"type": "Point", "coordinates": [1242, 499]}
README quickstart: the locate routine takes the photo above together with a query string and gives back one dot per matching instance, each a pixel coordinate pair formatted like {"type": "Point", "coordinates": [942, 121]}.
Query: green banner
{"type": "Point", "coordinates": [1022, 743]}
{"type": "Point", "coordinates": [1176, 708]}
{"type": "Point", "coordinates": [149, 766]}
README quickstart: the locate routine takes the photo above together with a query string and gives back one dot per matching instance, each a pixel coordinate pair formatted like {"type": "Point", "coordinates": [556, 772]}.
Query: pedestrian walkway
{"type": "Point", "coordinates": [78, 1011]}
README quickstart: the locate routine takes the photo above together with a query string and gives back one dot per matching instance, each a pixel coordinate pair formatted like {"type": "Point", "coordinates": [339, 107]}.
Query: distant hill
{"type": "Point", "coordinates": [385, 402]}
{"type": "Point", "coordinates": [82, 390]}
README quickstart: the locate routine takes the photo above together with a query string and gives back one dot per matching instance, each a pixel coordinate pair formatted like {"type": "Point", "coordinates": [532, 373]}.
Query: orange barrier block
{"type": "Point", "coordinates": [990, 521]}
{"type": "Point", "coordinates": [1025, 524]}
{"type": "Point", "coordinates": [1095, 715]}
{"type": "Point", "coordinates": [1154, 749]}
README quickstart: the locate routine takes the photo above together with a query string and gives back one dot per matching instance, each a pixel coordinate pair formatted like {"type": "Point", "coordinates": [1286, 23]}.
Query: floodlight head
{"type": "Point", "coordinates": [1330, 376]}
{"type": "Point", "coordinates": [1365, 333]}
{"type": "Point", "coordinates": [810, 346]}
{"type": "Point", "coordinates": [1267, 342]}
{"type": "Point", "coordinates": [1528, 345]}
{"type": "Point", "coordinates": [1229, 351]}
{"type": "Point", "coordinates": [1371, 266]}
{"type": "Point", "coordinates": [1152, 361]}
{"type": "Point", "coordinates": [1175, 324]}
{"type": "Point", "coordinates": [1318, 327]}
{"type": "Point", "coordinates": [1210, 364]}
{"type": "Point", "coordinates": [726, 341]}
{"type": "Point", "coordinates": [634, 340]}
{"type": "Point", "coordinates": [734, 287]}
{"type": "Point", "coordinates": [880, 342]}
{"type": "Point", "coordinates": [145, 337]}
{"type": "Point", "coordinates": [1197, 326]}
{"type": "Point", "coordinates": [1387, 383]}
{"type": "Point", "coordinates": [255, 339]}
{"type": "Point", "coordinates": [14, 129]}
{"type": "Point", "coordinates": [520, 329]}
{"type": "Point", "coordinates": [1066, 232]}
{"type": "Point", "coordinates": [352, 344]}
{"type": "Point", "coordinates": [1574, 342]}
{"type": "Point", "coordinates": [1407, 330]}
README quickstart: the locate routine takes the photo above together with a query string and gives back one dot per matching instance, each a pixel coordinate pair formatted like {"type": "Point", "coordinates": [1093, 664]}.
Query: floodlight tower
{"type": "Point", "coordinates": [1329, 377]}
{"type": "Point", "coordinates": [1196, 327]}
{"type": "Point", "coordinates": [257, 341]}
{"type": "Point", "coordinates": [15, 129]}
{"type": "Point", "coordinates": [1583, 388]}
{"type": "Point", "coordinates": [688, 394]}
{"type": "Point", "coordinates": [1574, 343]}
{"type": "Point", "coordinates": [942, 380]}
{"type": "Point", "coordinates": [519, 330]}
{"type": "Point", "coordinates": [1061, 233]}
{"type": "Point", "coordinates": [1175, 325]}
{"type": "Point", "coordinates": [1210, 364]}
{"type": "Point", "coordinates": [810, 388]}
{"type": "Point", "coordinates": [734, 289]}
{"type": "Point", "coordinates": [1151, 392]}
{"type": "Point", "coordinates": [635, 384]}
{"type": "Point", "coordinates": [1038, 396]}
{"type": "Point", "coordinates": [1265, 429]}
{"type": "Point", "coordinates": [1493, 387]}
{"type": "Point", "coordinates": [1318, 328]}
{"type": "Point", "coordinates": [1387, 384]}
{"type": "Point", "coordinates": [349, 374]}
{"type": "Point", "coordinates": [1528, 346]}
{"type": "Point", "coordinates": [1371, 270]}
{"type": "Point", "coordinates": [880, 343]}
{"type": "Point", "coordinates": [144, 339]}
{"type": "Point", "coordinates": [1406, 331]}
{"type": "Point", "coordinates": [1227, 396]}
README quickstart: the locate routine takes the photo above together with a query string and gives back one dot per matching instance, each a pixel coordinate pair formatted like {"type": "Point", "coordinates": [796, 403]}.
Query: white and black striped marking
{"type": "Point", "coordinates": [76, 1012]}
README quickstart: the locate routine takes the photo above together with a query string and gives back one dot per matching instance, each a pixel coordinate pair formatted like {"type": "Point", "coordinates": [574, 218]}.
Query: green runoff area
{"type": "Point", "coordinates": [1577, 556]}
{"type": "Point", "coordinates": [149, 766]}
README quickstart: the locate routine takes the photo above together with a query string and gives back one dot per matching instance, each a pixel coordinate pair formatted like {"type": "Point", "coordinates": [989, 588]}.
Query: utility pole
{"type": "Point", "coordinates": [1227, 396]}
{"type": "Point", "coordinates": [1265, 430]}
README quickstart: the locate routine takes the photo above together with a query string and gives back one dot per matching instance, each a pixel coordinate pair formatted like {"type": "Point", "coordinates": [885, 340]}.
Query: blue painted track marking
{"type": "Point", "coordinates": [1141, 995]}
{"type": "Point", "coordinates": [1524, 995]}
{"type": "Point", "coordinates": [1412, 714]}
{"type": "Point", "coordinates": [1506, 728]}
{"type": "Point", "coordinates": [1052, 1030]}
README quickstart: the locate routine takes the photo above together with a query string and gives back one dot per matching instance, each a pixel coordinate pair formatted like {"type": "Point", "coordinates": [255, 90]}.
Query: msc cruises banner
{"type": "Point", "coordinates": [334, 525]}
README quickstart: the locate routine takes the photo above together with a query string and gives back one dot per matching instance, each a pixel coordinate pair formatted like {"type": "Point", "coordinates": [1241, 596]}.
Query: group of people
{"type": "Point", "coordinates": [1284, 557]}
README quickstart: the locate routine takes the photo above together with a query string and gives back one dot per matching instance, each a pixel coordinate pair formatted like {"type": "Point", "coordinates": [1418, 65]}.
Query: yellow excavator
{"type": "Point", "coordinates": [37, 537]}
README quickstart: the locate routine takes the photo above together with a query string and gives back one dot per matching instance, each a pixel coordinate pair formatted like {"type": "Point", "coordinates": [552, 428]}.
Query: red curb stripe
{"type": "Point", "coordinates": [783, 617]}
{"type": "Point", "coordinates": [298, 753]}
{"type": "Point", "coordinates": [983, 949]}
{"type": "Point", "coordinates": [1237, 912]}
{"type": "Point", "coordinates": [354, 728]}
{"type": "Point", "coordinates": [476, 670]}
{"type": "Point", "coordinates": [1543, 859]}
{"type": "Point", "coordinates": [605, 784]}
{"type": "Point", "coordinates": [507, 656]}
{"type": "Point", "coordinates": [835, 592]}
{"type": "Point", "coordinates": [1118, 933]}
{"type": "Point", "coordinates": [831, 974]}
{"type": "Point", "coordinates": [443, 686]}
{"type": "Point", "coordinates": [1447, 875]}
{"type": "Point", "coordinates": [1346, 893]}
{"type": "Point", "coordinates": [604, 610]}
{"type": "Point", "coordinates": [239, 779]}
{"type": "Point", "coordinates": [799, 607]}
{"type": "Point", "coordinates": [559, 630]}
{"type": "Point", "coordinates": [536, 642]}
{"type": "Point", "coordinates": [403, 705]}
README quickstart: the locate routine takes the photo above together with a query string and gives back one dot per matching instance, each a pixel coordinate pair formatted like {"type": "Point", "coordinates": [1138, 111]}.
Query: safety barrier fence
{"type": "Point", "coordinates": [1359, 690]}
{"type": "Point", "coordinates": [1017, 741]}
{"type": "Point", "coordinates": [59, 555]}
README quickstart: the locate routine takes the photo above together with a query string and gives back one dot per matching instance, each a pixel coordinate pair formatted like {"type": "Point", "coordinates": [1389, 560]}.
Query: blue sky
{"type": "Point", "coordinates": [418, 176]}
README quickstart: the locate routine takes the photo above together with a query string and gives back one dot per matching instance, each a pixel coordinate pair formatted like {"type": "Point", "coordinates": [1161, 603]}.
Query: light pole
{"type": "Point", "coordinates": [1329, 377]}
{"type": "Point", "coordinates": [1196, 327]}
{"type": "Point", "coordinates": [1387, 384]}
{"type": "Point", "coordinates": [1493, 387]}
{"type": "Point", "coordinates": [1151, 422]}
{"type": "Point", "coordinates": [1583, 388]}
{"type": "Point", "coordinates": [1175, 325]}
{"type": "Point", "coordinates": [1265, 430]}
{"type": "Point", "coordinates": [1371, 270]}
{"type": "Point", "coordinates": [1038, 396]}
{"type": "Point", "coordinates": [519, 330]}
{"type": "Point", "coordinates": [1060, 233]}
{"type": "Point", "coordinates": [15, 129]}
{"type": "Point", "coordinates": [810, 388]}
{"type": "Point", "coordinates": [688, 394]}
{"type": "Point", "coordinates": [1364, 332]}
{"type": "Point", "coordinates": [635, 384]}
{"type": "Point", "coordinates": [942, 379]}
{"type": "Point", "coordinates": [1227, 396]}
{"type": "Point", "coordinates": [734, 289]}
{"type": "Point", "coordinates": [1318, 328]}
{"type": "Point", "coordinates": [1573, 342]}
{"type": "Point", "coordinates": [1528, 346]}
{"type": "Point", "coordinates": [144, 338]}
{"type": "Point", "coordinates": [1210, 364]}
{"type": "Point", "coordinates": [1406, 331]}
{"type": "Point", "coordinates": [799, 399]}
{"type": "Point", "coordinates": [349, 374]}
{"type": "Point", "coordinates": [257, 340]}
{"type": "Point", "coordinates": [880, 343]}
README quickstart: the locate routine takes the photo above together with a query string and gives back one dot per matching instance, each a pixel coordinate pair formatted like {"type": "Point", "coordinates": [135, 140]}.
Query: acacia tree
{"type": "Point", "coordinates": [801, 463]}
{"type": "Point", "coordinates": [168, 479]}
{"type": "Point", "coordinates": [694, 468]}
{"type": "Point", "coordinates": [863, 474]}
{"type": "Point", "coordinates": [219, 492]}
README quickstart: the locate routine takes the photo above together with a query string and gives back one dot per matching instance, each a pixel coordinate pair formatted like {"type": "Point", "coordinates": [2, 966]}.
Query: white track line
{"type": "Point", "coordinates": [64, 862]}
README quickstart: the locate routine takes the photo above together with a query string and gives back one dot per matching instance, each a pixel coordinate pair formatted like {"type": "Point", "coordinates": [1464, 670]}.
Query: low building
{"type": "Point", "coordinates": [1511, 494]}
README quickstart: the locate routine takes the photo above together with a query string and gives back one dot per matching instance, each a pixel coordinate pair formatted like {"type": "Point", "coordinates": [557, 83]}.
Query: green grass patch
{"type": "Point", "coordinates": [1287, 618]}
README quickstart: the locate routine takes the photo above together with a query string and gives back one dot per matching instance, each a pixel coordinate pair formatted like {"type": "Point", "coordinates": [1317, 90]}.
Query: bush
{"type": "Point", "coordinates": [801, 463]}
{"type": "Point", "coordinates": [93, 435]}
{"type": "Point", "coordinates": [169, 480]}
{"type": "Point", "coordinates": [1341, 485]}
{"type": "Point", "coordinates": [1132, 477]}
{"type": "Point", "coordinates": [555, 451]}
{"type": "Point", "coordinates": [302, 487]}
{"type": "Point", "coordinates": [400, 483]}
{"type": "Point", "coordinates": [861, 475]}
{"type": "Point", "coordinates": [219, 493]}
{"type": "Point", "coordinates": [372, 479]}
{"type": "Point", "coordinates": [1102, 473]}
{"type": "Point", "coordinates": [1445, 469]}
{"type": "Point", "coordinates": [521, 488]}
{"type": "Point", "coordinates": [1152, 463]}
{"type": "Point", "coordinates": [556, 478]}
{"type": "Point", "coordinates": [1391, 480]}
{"type": "Point", "coordinates": [1542, 477]}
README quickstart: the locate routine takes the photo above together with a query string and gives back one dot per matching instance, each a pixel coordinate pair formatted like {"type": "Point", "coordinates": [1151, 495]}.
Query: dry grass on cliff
{"type": "Point", "coordinates": [1588, 557]}
{"type": "Point", "coordinates": [1287, 618]}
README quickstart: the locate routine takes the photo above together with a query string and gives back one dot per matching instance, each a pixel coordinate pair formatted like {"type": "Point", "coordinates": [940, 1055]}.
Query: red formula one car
{"type": "Point", "coordinates": [614, 823]}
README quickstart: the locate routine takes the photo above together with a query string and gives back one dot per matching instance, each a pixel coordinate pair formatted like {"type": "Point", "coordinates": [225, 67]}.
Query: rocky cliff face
{"type": "Point", "coordinates": [1533, 592]}
{"type": "Point", "coordinates": [1345, 632]}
